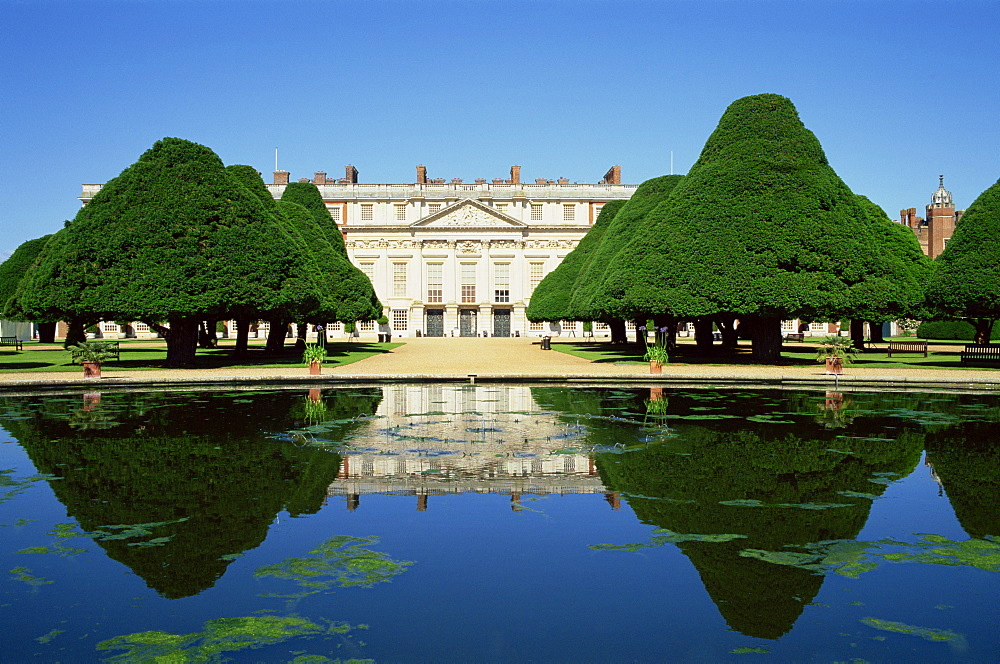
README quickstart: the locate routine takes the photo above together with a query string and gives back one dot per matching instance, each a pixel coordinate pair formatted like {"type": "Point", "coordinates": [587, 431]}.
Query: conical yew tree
{"type": "Point", "coordinates": [760, 228]}
{"type": "Point", "coordinates": [172, 240]}
{"type": "Point", "coordinates": [966, 278]}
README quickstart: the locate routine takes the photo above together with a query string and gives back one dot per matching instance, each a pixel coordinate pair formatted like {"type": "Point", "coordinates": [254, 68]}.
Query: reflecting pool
{"type": "Point", "coordinates": [499, 523]}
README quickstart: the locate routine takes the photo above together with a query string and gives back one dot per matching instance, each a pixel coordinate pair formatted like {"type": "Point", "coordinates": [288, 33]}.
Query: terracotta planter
{"type": "Point", "coordinates": [91, 369]}
{"type": "Point", "coordinates": [655, 367]}
{"type": "Point", "coordinates": [835, 365]}
{"type": "Point", "coordinates": [315, 368]}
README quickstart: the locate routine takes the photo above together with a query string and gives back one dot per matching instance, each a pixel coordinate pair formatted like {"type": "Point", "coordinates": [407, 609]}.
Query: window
{"type": "Point", "coordinates": [399, 279]}
{"type": "Point", "coordinates": [568, 325]}
{"type": "Point", "coordinates": [629, 327]}
{"type": "Point", "coordinates": [432, 208]}
{"type": "Point", "coordinates": [536, 212]}
{"type": "Point", "coordinates": [434, 282]}
{"type": "Point", "coordinates": [367, 326]}
{"type": "Point", "coordinates": [400, 212]}
{"type": "Point", "coordinates": [569, 212]}
{"type": "Point", "coordinates": [468, 275]}
{"type": "Point", "coordinates": [535, 274]}
{"type": "Point", "coordinates": [400, 319]}
{"type": "Point", "coordinates": [335, 326]}
{"type": "Point", "coordinates": [601, 327]}
{"type": "Point", "coordinates": [366, 211]}
{"type": "Point", "coordinates": [817, 328]}
{"type": "Point", "coordinates": [536, 327]}
{"type": "Point", "coordinates": [597, 210]}
{"type": "Point", "coordinates": [335, 213]}
{"type": "Point", "coordinates": [501, 282]}
{"type": "Point", "coordinates": [368, 269]}
{"type": "Point", "coordinates": [502, 207]}
{"type": "Point", "coordinates": [141, 327]}
{"type": "Point", "coordinates": [787, 326]}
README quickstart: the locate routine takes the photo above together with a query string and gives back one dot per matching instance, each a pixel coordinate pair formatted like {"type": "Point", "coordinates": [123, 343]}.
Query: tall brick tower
{"type": "Point", "coordinates": [940, 220]}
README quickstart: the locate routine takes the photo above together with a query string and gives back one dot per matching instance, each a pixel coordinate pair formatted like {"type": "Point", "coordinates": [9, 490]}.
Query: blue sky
{"type": "Point", "coordinates": [897, 92]}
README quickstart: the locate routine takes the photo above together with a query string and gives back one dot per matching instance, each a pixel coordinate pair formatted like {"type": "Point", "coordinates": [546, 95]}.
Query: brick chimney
{"type": "Point", "coordinates": [281, 177]}
{"type": "Point", "coordinates": [351, 174]}
{"type": "Point", "coordinates": [613, 176]}
{"type": "Point", "coordinates": [319, 177]}
{"type": "Point", "coordinates": [421, 174]}
{"type": "Point", "coordinates": [515, 175]}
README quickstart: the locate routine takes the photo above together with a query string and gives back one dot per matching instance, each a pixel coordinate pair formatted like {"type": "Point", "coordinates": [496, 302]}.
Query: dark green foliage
{"type": "Point", "coordinates": [952, 329]}
{"type": "Point", "coordinates": [968, 467]}
{"type": "Point", "coordinates": [550, 300]}
{"type": "Point", "coordinates": [589, 301]}
{"type": "Point", "coordinates": [966, 279]}
{"type": "Point", "coordinates": [307, 195]}
{"type": "Point", "coordinates": [13, 270]}
{"type": "Point", "coordinates": [762, 227]}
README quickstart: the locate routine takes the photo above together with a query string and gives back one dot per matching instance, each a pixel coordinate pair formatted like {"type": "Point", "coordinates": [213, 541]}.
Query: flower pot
{"type": "Point", "coordinates": [315, 368]}
{"type": "Point", "coordinates": [655, 367]}
{"type": "Point", "coordinates": [91, 369]}
{"type": "Point", "coordinates": [835, 365]}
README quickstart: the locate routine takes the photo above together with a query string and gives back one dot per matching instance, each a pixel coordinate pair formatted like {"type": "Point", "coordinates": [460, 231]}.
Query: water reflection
{"type": "Point", "coordinates": [203, 465]}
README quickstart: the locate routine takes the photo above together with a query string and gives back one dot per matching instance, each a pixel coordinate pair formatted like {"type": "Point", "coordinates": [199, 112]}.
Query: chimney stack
{"type": "Point", "coordinates": [281, 177]}
{"type": "Point", "coordinates": [421, 174]}
{"type": "Point", "coordinates": [613, 176]}
{"type": "Point", "coordinates": [319, 177]}
{"type": "Point", "coordinates": [351, 174]}
{"type": "Point", "coordinates": [515, 175]}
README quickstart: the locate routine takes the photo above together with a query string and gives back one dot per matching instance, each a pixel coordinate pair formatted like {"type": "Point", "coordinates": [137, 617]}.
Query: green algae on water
{"type": "Point", "coordinates": [662, 536]}
{"type": "Point", "coordinates": [339, 562]}
{"type": "Point", "coordinates": [45, 638]}
{"type": "Point", "coordinates": [927, 633]}
{"type": "Point", "coordinates": [747, 650]}
{"type": "Point", "coordinates": [24, 575]}
{"type": "Point", "coordinates": [222, 635]}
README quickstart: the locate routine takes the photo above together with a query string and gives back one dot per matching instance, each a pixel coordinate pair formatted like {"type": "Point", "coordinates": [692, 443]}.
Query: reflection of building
{"type": "Point", "coordinates": [448, 439]}
{"type": "Point", "coordinates": [936, 229]}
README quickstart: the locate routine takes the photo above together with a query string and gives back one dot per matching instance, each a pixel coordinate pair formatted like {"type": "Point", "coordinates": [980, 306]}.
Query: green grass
{"type": "Point", "coordinates": [145, 355]}
{"type": "Point", "coordinates": [792, 354]}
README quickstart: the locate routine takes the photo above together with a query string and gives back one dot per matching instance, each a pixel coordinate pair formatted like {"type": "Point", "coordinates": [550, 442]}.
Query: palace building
{"type": "Point", "coordinates": [936, 228]}
{"type": "Point", "coordinates": [456, 258]}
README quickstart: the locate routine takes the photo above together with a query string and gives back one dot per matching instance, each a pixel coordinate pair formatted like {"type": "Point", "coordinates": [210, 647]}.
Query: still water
{"type": "Point", "coordinates": [449, 523]}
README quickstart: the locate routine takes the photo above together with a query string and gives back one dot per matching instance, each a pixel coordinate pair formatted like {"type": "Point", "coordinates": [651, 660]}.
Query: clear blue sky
{"type": "Point", "coordinates": [897, 92]}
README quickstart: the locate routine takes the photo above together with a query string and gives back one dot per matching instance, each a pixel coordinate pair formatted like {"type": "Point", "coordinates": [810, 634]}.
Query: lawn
{"type": "Point", "coordinates": [942, 355]}
{"type": "Point", "coordinates": [145, 354]}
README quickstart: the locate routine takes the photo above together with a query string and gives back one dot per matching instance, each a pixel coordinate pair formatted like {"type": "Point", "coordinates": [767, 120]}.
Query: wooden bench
{"type": "Point", "coordinates": [11, 341]}
{"type": "Point", "coordinates": [981, 353]}
{"type": "Point", "coordinates": [907, 347]}
{"type": "Point", "coordinates": [795, 336]}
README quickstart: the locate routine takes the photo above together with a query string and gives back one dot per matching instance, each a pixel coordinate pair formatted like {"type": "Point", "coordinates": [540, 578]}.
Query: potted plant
{"type": "Point", "coordinates": [313, 355]}
{"type": "Point", "coordinates": [835, 352]}
{"type": "Point", "coordinates": [655, 354]}
{"type": "Point", "coordinates": [383, 328]}
{"type": "Point", "coordinates": [91, 354]}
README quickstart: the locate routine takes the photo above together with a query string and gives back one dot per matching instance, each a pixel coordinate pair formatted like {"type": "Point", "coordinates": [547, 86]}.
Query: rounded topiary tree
{"type": "Point", "coordinates": [173, 240]}
{"type": "Point", "coordinates": [760, 228]}
{"type": "Point", "coordinates": [12, 271]}
{"type": "Point", "coordinates": [966, 278]}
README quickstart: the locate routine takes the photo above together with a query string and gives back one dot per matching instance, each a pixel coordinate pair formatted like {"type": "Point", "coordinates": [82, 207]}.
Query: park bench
{"type": "Point", "coordinates": [11, 341]}
{"type": "Point", "coordinates": [114, 348]}
{"type": "Point", "coordinates": [795, 336]}
{"type": "Point", "coordinates": [981, 353]}
{"type": "Point", "coordinates": [907, 347]}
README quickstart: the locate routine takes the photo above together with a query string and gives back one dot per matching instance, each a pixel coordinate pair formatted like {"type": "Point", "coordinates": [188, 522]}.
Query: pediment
{"type": "Point", "coordinates": [468, 213]}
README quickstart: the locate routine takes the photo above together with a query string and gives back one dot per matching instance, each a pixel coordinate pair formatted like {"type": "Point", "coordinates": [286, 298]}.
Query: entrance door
{"type": "Point", "coordinates": [435, 323]}
{"type": "Point", "coordinates": [467, 323]}
{"type": "Point", "coordinates": [501, 322]}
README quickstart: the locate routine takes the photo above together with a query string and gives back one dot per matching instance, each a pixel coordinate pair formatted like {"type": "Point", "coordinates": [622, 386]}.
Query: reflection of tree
{"type": "Point", "coordinates": [682, 492]}
{"type": "Point", "coordinates": [968, 465]}
{"type": "Point", "coordinates": [208, 459]}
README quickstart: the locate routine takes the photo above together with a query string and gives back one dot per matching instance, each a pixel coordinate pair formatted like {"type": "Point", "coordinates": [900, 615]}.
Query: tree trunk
{"type": "Point", "coordinates": [703, 334]}
{"type": "Point", "coordinates": [242, 338]}
{"type": "Point", "coordinates": [301, 329]}
{"type": "Point", "coordinates": [875, 332]}
{"type": "Point", "coordinates": [47, 333]}
{"type": "Point", "coordinates": [858, 334]}
{"type": "Point", "coordinates": [727, 326]}
{"type": "Point", "coordinates": [182, 341]}
{"type": "Point", "coordinates": [277, 330]}
{"type": "Point", "coordinates": [984, 326]}
{"type": "Point", "coordinates": [76, 332]}
{"type": "Point", "coordinates": [618, 333]}
{"type": "Point", "coordinates": [766, 335]}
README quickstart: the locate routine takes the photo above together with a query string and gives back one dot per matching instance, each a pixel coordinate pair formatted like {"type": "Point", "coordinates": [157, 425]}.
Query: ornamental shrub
{"type": "Point", "coordinates": [960, 330]}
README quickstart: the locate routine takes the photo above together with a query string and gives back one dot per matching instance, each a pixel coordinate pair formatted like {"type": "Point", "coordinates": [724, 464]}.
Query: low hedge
{"type": "Point", "coordinates": [953, 329]}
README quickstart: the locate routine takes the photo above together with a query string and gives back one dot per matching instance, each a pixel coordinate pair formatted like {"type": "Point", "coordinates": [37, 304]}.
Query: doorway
{"type": "Point", "coordinates": [467, 323]}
